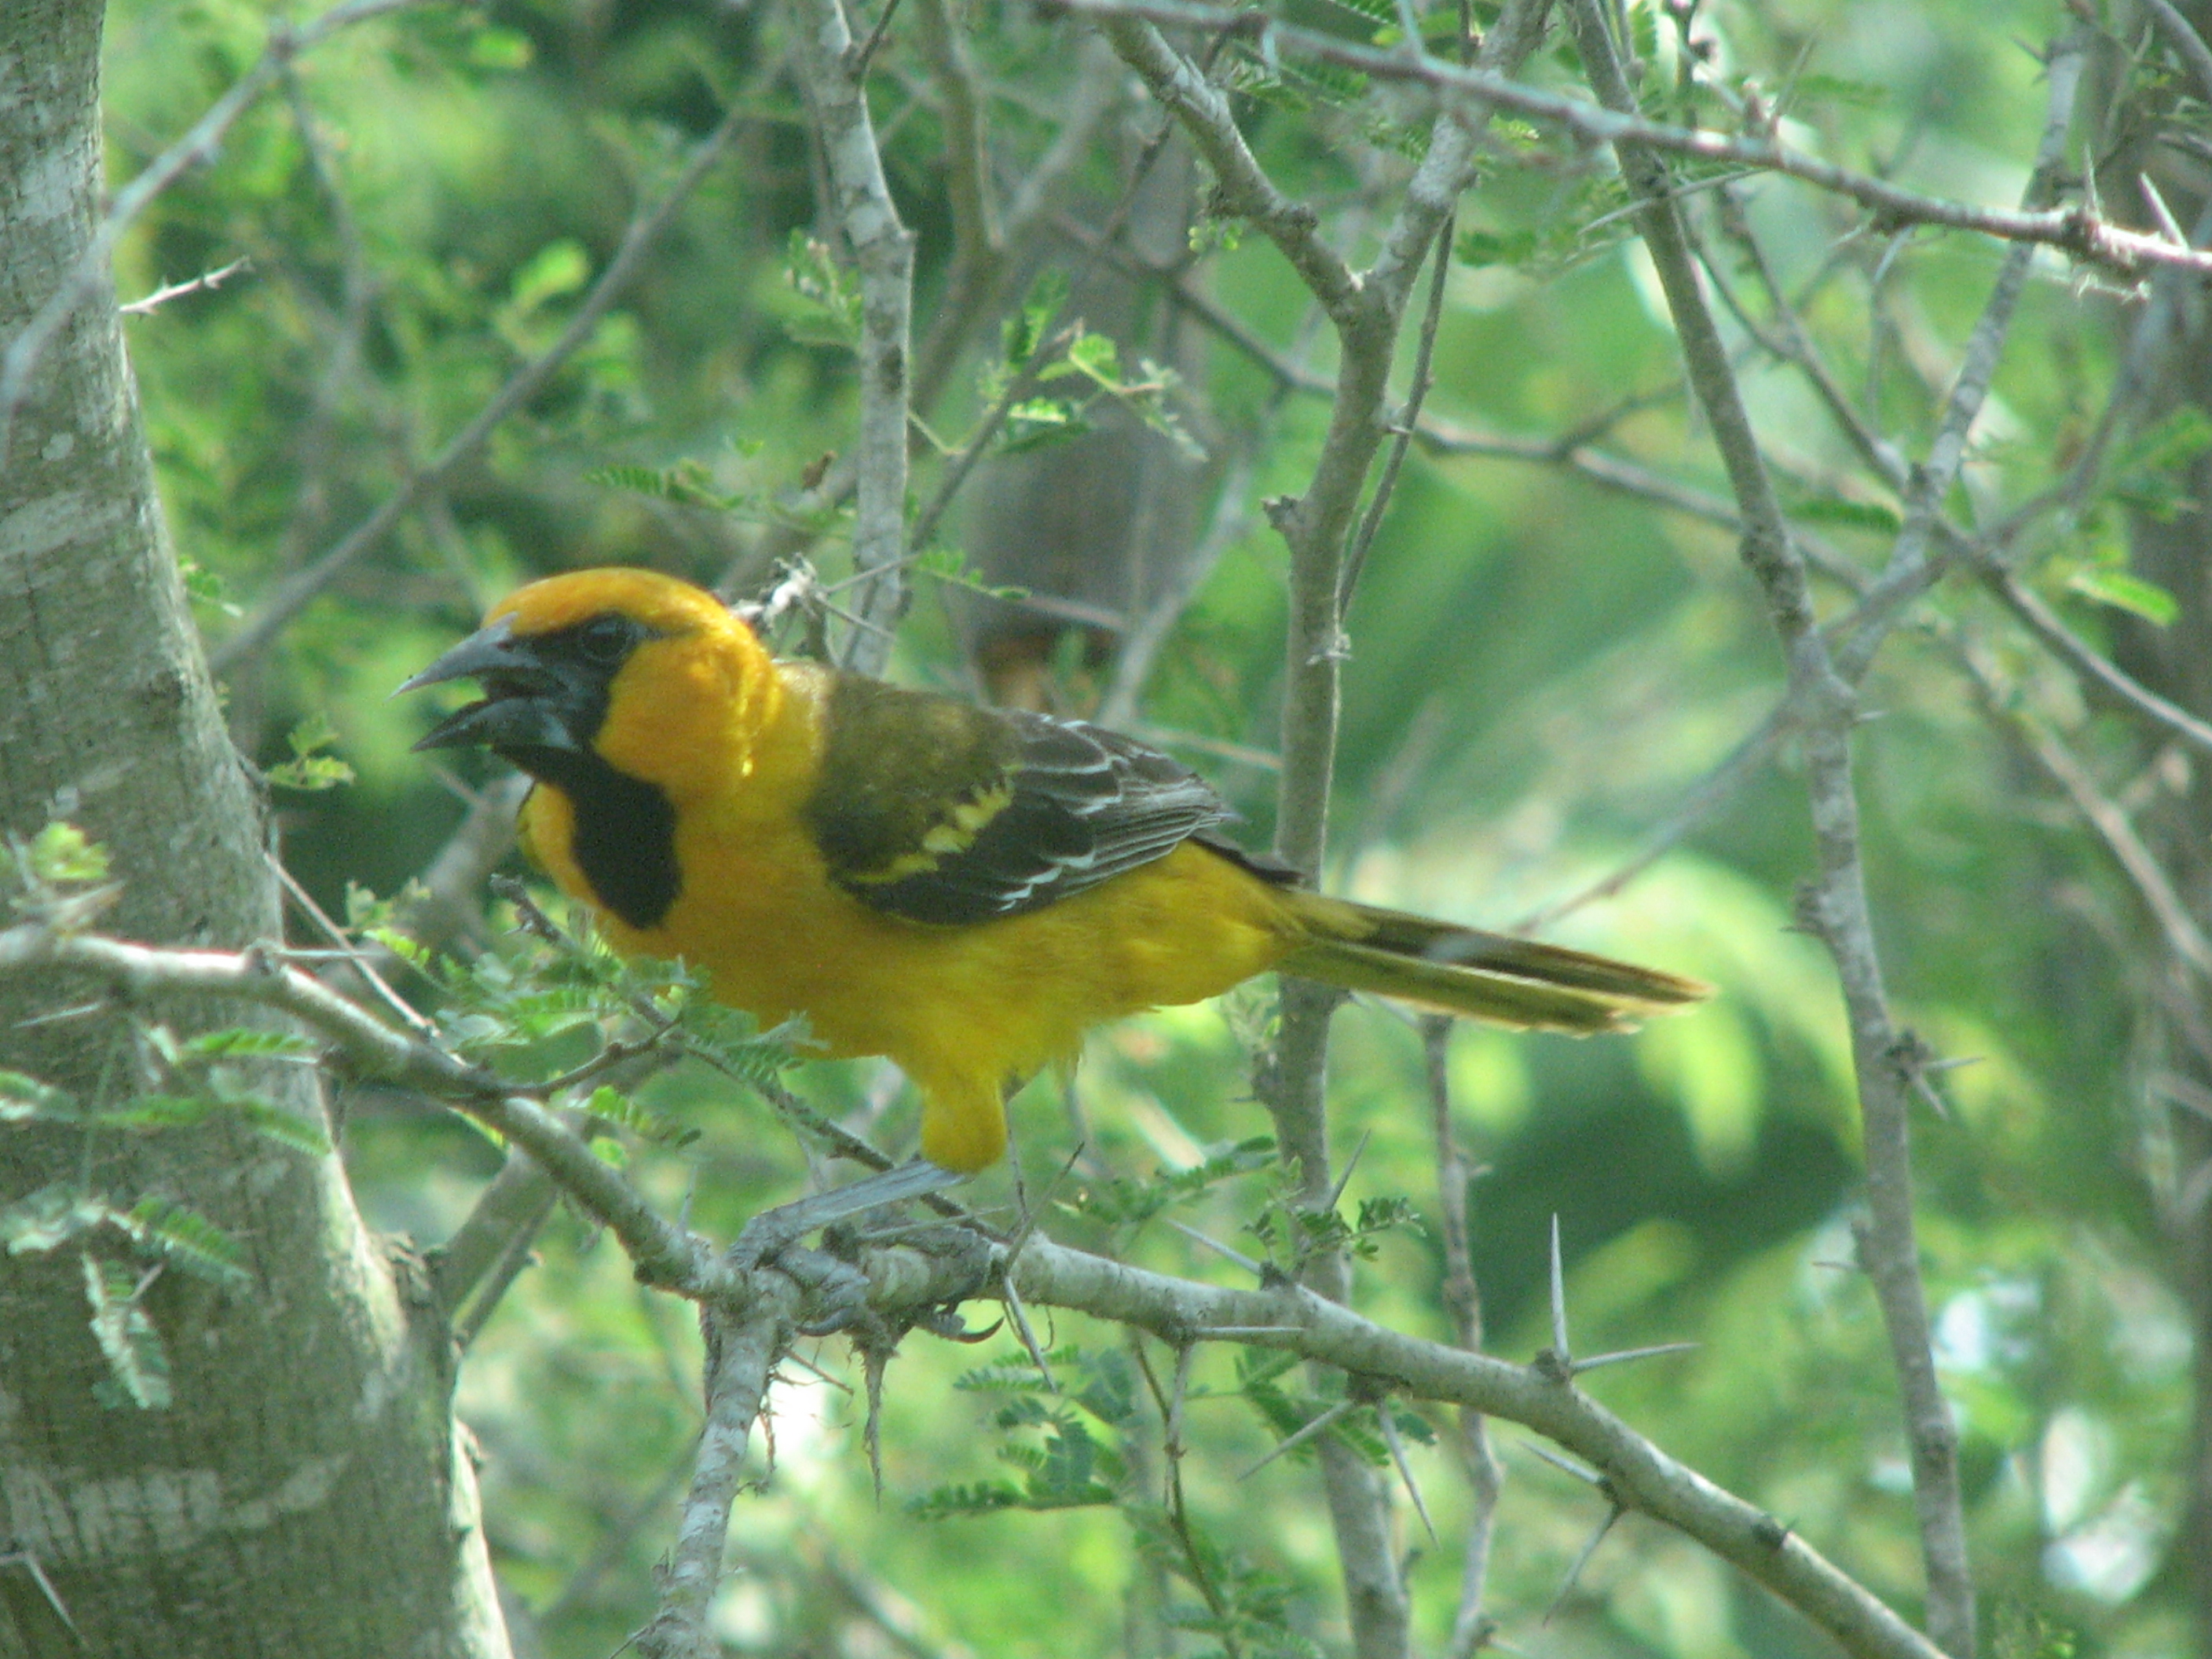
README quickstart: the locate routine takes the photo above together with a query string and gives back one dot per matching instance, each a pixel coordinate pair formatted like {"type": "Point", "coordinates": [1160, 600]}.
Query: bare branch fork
{"type": "Point", "coordinates": [1835, 902]}
{"type": "Point", "coordinates": [1367, 310]}
{"type": "Point", "coordinates": [1472, 94]}
{"type": "Point", "coordinates": [750, 1313]}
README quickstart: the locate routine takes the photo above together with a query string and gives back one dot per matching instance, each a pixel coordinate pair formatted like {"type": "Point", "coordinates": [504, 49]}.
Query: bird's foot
{"type": "Point", "coordinates": [771, 1232]}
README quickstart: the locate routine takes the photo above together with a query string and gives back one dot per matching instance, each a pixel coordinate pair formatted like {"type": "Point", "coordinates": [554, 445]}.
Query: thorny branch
{"type": "Point", "coordinates": [1836, 904]}
{"type": "Point", "coordinates": [1367, 309]}
{"type": "Point", "coordinates": [882, 251]}
{"type": "Point", "coordinates": [1485, 1477]}
{"type": "Point", "coordinates": [906, 1278]}
{"type": "Point", "coordinates": [1472, 94]}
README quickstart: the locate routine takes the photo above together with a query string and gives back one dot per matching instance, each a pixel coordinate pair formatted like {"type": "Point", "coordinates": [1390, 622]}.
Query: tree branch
{"type": "Point", "coordinates": [666, 1254]}
{"type": "Point", "coordinates": [926, 1269]}
{"type": "Point", "coordinates": [293, 595]}
{"type": "Point", "coordinates": [1835, 902]}
{"type": "Point", "coordinates": [2077, 231]}
{"type": "Point", "coordinates": [1245, 191]}
{"type": "Point", "coordinates": [200, 143]}
{"type": "Point", "coordinates": [882, 251]}
{"type": "Point", "coordinates": [741, 1351]}
{"type": "Point", "coordinates": [1638, 1475]}
{"type": "Point", "coordinates": [1472, 1627]}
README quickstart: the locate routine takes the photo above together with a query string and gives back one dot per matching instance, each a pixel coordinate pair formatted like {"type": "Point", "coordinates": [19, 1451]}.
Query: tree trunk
{"type": "Point", "coordinates": [303, 1492]}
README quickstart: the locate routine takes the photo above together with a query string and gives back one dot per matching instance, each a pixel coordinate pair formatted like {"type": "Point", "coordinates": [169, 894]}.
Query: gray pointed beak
{"type": "Point", "coordinates": [523, 696]}
{"type": "Point", "coordinates": [485, 651]}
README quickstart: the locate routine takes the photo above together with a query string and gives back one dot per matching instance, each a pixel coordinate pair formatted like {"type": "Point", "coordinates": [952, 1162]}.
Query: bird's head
{"type": "Point", "coordinates": [642, 670]}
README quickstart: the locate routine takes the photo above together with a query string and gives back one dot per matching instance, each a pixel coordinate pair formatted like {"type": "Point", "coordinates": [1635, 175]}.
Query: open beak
{"type": "Point", "coordinates": [522, 700]}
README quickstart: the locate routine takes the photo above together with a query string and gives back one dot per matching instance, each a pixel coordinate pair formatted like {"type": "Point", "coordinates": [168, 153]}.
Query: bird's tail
{"type": "Point", "coordinates": [1492, 977]}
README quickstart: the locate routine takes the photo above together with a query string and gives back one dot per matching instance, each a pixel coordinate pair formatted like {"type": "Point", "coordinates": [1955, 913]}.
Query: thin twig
{"type": "Point", "coordinates": [741, 1352]}
{"type": "Point", "coordinates": [2080, 232]}
{"type": "Point", "coordinates": [1478, 1464]}
{"type": "Point", "coordinates": [293, 595]}
{"type": "Point", "coordinates": [2188, 45]}
{"type": "Point", "coordinates": [1280, 1317]}
{"type": "Point", "coordinates": [1319, 1423]}
{"type": "Point", "coordinates": [1837, 904]}
{"type": "Point", "coordinates": [1408, 421]}
{"type": "Point", "coordinates": [199, 145]}
{"type": "Point", "coordinates": [206, 281]}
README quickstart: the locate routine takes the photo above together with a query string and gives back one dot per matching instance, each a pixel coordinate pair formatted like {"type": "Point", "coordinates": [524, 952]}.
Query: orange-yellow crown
{"type": "Point", "coordinates": [664, 603]}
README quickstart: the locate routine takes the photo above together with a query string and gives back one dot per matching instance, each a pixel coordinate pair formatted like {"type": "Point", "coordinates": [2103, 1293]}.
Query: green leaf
{"type": "Point", "coordinates": [287, 1127]}
{"type": "Point", "coordinates": [558, 268]}
{"type": "Point", "coordinates": [1120, 1201]}
{"type": "Point", "coordinates": [1024, 331]}
{"type": "Point", "coordinates": [1858, 515]}
{"type": "Point", "coordinates": [136, 1359]}
{"type": "Point", "coordinates": [501, 49]}
{"type": "Point", "coordinates": [611, 1105]}
{"type": "Point", "coordinates": [2126, 591]}
{"type": "Point", "coordinates": [1097, 356]}
{"type": "Point", "coordinates": [203, 586]}
{"type": "Point", "coordinates": [309, 769]}
{"type": "Point", "coordinates": [24, 1099]}
{"type": "Point", "coordinates": [1479, 247]}
{"type": "Point", "coordinates": [1038, 422]}
{"type": "Point", "coordinates": [948, 565]}
{"type": "Point", "coordinates": [61, 855]}
{"type": "Point", "coordinates": [2168, 444]}
{"type": "Point", "coordinates": [264, 1117]}
{"type": "Point", "coordinates": [157, 1112]}
{"type": "Point", "coordinates": [251, 1042]}
{"type": "Point", "coordinates": [184, 1237]}
{"type": "Point", "coordinates": [832, 293]}
{"type": "Point", "coordinates": [689, 481]}
{"type": "Point", "coordinates": [980, 1497]}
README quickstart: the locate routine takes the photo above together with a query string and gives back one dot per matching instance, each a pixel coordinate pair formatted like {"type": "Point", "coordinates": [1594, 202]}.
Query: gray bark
{"type": "Point", "coordinates": [305, 1493]}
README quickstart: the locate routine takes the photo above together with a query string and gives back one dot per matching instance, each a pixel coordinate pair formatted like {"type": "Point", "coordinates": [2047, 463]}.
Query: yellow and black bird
{"type": "Point", "coordinates": [967, 891]}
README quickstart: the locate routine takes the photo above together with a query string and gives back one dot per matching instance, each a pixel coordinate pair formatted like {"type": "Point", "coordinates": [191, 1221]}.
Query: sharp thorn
{"type": "Point", "coordinates": [1558, 1461]}
{"type": "Point", "coordinates": [1626, 1355]}
{"type": "Point", "coordinates": [1575, 1571]}
{"type": "Point", "coordinates": [1559, 1349]}
{"type": "Point", "coordinates": [1326, 1420]}
{"type": "Point", "coordinates": [1405, 1470]}
{"type": "Point", "coordinates": [1219, 1249]}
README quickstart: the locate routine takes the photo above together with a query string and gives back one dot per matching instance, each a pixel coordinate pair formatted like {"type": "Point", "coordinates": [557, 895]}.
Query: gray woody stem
{"type": "Point", "coordinates": [1835, 901]}
{"type": "Point", "coordinates": [741, 1353]}
{"type": "Point", "coordinates": [1367, 309]}
{"type": "Point", "coordinates": [2077, 230]}
{"type": "Point", "coordinates": [883, 249]}
{"type": "Point", "coordinates": [903, 1279]}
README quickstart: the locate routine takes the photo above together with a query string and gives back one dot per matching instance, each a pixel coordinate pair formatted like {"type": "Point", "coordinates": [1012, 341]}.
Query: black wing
{"type": "Point", "coordinates": [943, 812]}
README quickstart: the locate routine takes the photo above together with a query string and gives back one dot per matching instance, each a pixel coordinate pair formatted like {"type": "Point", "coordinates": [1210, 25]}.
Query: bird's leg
{"type": "Point", "coordinates": [772, 1231]}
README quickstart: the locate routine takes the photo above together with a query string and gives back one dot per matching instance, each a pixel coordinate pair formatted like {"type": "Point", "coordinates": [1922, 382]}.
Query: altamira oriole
{"type": "Point", "coordinates": [965, 889]}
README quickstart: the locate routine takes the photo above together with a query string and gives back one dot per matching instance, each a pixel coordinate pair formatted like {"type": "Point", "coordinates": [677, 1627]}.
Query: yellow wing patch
{"type": "Point", "coordinates": [948, 839]}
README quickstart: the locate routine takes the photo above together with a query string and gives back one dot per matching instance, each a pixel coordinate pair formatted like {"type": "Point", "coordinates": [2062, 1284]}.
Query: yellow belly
{"type": "Point", "coordinates": [962, 1010]}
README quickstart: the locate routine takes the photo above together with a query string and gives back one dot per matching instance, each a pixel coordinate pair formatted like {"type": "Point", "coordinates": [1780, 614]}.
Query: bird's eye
{"type": "Point", "coordinates": [605, 641]}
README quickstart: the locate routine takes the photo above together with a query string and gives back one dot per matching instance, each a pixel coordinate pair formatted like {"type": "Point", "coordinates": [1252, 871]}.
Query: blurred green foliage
{"type": "Point", "coordinates": [1541, 669]}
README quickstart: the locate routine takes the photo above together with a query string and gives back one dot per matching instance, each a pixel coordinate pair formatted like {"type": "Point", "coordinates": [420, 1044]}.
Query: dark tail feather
{"type": "Point", "coordinates": [1478, 975]}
